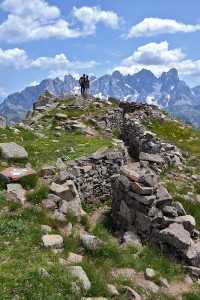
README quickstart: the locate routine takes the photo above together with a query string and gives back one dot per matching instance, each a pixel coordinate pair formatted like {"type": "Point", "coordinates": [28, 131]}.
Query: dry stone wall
{"type": "Point", "coordinates": [91, 175]}
{"type": "Point", "coordinates": [145, 207]}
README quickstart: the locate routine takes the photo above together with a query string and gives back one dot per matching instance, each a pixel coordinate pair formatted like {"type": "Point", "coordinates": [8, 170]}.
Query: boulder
{"type": "Point", "coordinates": [80, 273]}
{"type": "Point", "coordinates": [12, 151]}
{"type": "Point", "coordinates": [176, 236]}
{"type": "Point", "coordinates": [13, 174]}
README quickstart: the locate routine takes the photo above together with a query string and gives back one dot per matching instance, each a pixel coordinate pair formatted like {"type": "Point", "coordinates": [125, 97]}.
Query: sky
{"type": "Point", "coordinates": [42, 39]}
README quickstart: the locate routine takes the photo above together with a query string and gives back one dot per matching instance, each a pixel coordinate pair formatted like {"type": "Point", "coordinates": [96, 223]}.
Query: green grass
{"type": "Point", "coordinates": [38, 194]}
{"type": "Point", "coordinates": [180, 136]}
{"type": "Point", "coordinates": [22, 252]}
{"type": "Point", "coordinates": [43, 152]}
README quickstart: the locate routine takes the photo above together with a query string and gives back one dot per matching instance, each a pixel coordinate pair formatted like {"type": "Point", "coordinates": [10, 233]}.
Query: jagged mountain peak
{"type": "Point", "coordinates": [144, 86]}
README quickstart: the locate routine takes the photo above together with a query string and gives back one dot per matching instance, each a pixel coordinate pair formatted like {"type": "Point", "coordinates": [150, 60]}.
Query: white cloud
{"type": "Point", "coordinates": [154, 54]}
{"type": "Point", "coordinates": [155, 26]}
{"type": "Point", "coordinates": [3, 93]}
{"type": "Point", "coordinates": [61, 73]}
{"type": "Point", "coordinates": [60, 61]}
{"type": "Point", "coordinates": [34, 8]}
{"type": "Point", "coordinates": [158, 58]}
{"type": "Point", "coordinates": [90, 16]}
{"type": "Point", "coordinates": [36, 19]}
{"type": "Point", "coordinates": [18, 59]}
{"type": "Point", "coordinates": [13, 59]}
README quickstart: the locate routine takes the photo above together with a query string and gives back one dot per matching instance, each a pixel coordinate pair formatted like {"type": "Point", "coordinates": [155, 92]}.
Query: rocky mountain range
{"type": "Point", "coordinates": [164, 91]}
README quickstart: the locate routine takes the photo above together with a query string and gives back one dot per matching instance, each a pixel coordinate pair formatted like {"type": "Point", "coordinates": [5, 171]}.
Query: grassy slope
{"type": "Point", "coordinates": [22, 252]}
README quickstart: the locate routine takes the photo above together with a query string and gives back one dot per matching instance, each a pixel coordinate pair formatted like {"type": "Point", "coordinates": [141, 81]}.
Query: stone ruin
{"type": "Point", "coordinates": [91, 175]}
{"type": "Point", "coordinates": [140, 204]}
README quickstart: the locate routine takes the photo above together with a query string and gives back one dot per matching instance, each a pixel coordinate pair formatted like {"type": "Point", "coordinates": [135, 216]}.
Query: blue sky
{"type": "Point", "coordinates": [48, 39]}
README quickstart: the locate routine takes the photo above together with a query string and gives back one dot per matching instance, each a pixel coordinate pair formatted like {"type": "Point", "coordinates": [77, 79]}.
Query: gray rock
{"type": "Point", "coordinates": [61, 191]}
{"type": "Point", "coordinates": [74, 258]}
{"type": "Point", "coordinates": [131, 238]}
{"type": "Point", "coordinates": [54, 198]}
{"type": "Point", "coordinates": [142, 190]}
{"type": "Point", "coordinates": [170, 211]}
{"type": "Point", "coordinates": [80, 273]}
{"type": "Point", "coordinates": [49, 204]}
{"type": "Point", "coordinates": [131, 294]}
{"type": "Point", "coordinates": [60, 164]}
{"type": "Point", "coordinates": [149, 273]}
{"type": "Point", "coordinates": [17, 191]}
{"type": "Point", "coordinates": [127, 213]}
{"type": "Point", "coordinates": [58, 216]}
{"type": "Point", "coordinates": [179, 207]}
{"type": "Point", "coordinates": [112, 290]}
{"type": "Point", "coordinates": [47, 171]}
{"type": "Point", "coordinates": [53, 241]}
{"type": "Point", "coordinates": [73, 206]}
{"type": "Point", "coordinates": [176, 236]}
{"type": "Point", "coordinates": [142, 224]}
{"type": "Point", "coordinates": [12, 151]}
{"type": "Point", "coordinates": [92, 242]}
{"type": "Point", "coordinates": [193, 271]}
{"type": "Point", "coordinates": [126, 272]}
{"type": "Point", "coordinates": [44, 273]}
{"type": "Point", "coordinates": [153, 287]}
{"type": "Point", "coordinates": [12, 174]}
{"type": "Point", "coordinates": [150, 157]}
{"type": "Point", "coordinates": [46, 228]}
{"type": "Point", "coordinates": [2, 122]}
{"type": "Point", "coordinates": [59, 116]}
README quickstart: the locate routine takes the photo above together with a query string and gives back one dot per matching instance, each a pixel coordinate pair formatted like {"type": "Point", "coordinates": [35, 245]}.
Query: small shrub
{"type": "Point", "coordinates": [29, 181]}
{"type": "Point", "coordinates": [85, 222]}
{"type": "Point", "coordinates": [38, 195]}
{"type": "Point", "coordinates": [191, 296]}
{"type": "Point", "coordinates": [11, 226]}
{"type": "Point", "coordinates": [197, 189]}
{"type": "Point", "coordinates": [87, 207]}
{"type": "Point", "coordinates": [117, 134]}
{"type": "Point", "coordinates": [70, 216]}
{"type": "Point", "coordinates": [2, 185]}
{"type": "Point", "coordinates": [78, 132]}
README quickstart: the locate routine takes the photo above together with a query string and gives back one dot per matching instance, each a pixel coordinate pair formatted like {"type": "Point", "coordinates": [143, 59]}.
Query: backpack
{"type": "Point", "coordinates": [87, 83]}
{"type": "Point", "coordinates": [82, 80]}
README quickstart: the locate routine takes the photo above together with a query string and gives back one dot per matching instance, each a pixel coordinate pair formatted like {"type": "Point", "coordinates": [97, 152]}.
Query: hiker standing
{"type": "Point", "coordinates": [82, 83]}
{"type": "Point", "coordinates": [87, 85]}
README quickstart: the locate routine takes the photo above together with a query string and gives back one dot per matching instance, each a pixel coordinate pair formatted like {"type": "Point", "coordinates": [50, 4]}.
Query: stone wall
{"type": "Point", "coordinates": [145, 207]}
{"type": "Point", "coordinates": [143, 143]}
{"type": "Point", "coordinates": [91, 175]}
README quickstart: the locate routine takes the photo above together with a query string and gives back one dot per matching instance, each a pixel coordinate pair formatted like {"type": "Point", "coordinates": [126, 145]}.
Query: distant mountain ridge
{"type": "Point", "coordinates": [164, 91]}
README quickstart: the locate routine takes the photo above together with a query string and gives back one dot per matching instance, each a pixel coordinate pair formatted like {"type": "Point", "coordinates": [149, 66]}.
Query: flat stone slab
{"type": "Point", "coordinates": [150, 157]}
{"type": "Point", "coordinates": [128, 171]}
{"type": "Point", "coordinates": [17, 191]}
{"type": "Point", "coordinates": [61, 191]}
{"type": "Point", "coordinates": [12, 150]}
{"type": "Point", "coordinates": [101, 152]}
{"type": "Point", "coordinates": [176, 236]}
{"type": "Point", "coordinates": [12, 174]}
{"type": "Point", "coordinates": [54, 241]}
